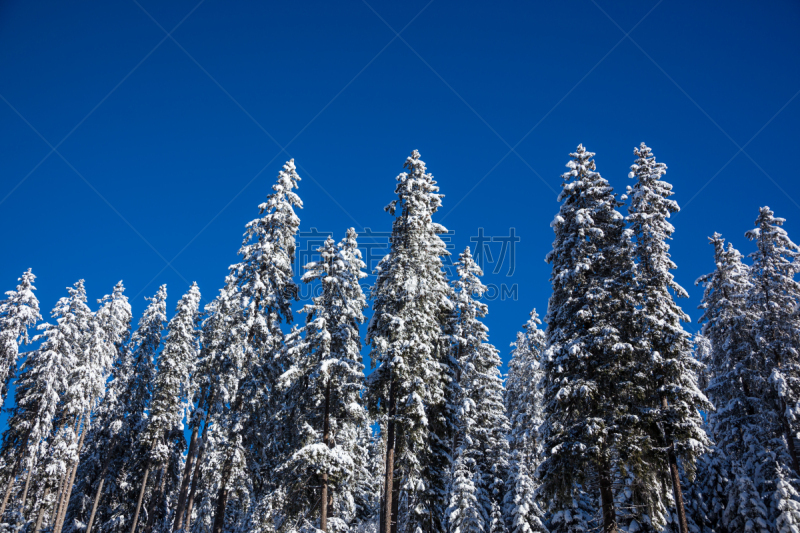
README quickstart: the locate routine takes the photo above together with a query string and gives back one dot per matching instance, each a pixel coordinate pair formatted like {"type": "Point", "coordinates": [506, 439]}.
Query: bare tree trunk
{"type": "Point", "coordinates": [10, 485]}
{"type": "Point", "coordinates": [675, 475]}
{"type": "Point", "coordinates": [25, 491]}
{"type": "Point", "coordinates": [607, 497]}
{"type": "Point", "coordinates": [99, 491]}
{"type": "Point", "coordinates": [68, 492]}
{"type": "Point", "coordinates": [96, 501]}
{"type": "Point", "coordinates": [139, 501]}
{"type": "Point", "coordinates": [155, 500]}
{"type": "Point", "coordinates": [222, 496]}
{"type": "Point", "coordinates": [323, 521]}
{"type": "Point", "coordinates": [187, 471]}
{"type": "Point", "coordinates": [389, 473]}
{"type": "Point", "coordinates": [399, 446]}
{"type": "Point", "coordinates": [62, 485]}
{"type": "Point", "coordinates": [195, 480]}
{"type": "Point", "coordinates": [193, 455]}
{"type": "Point", "coordinates": [676, 488]}
{"type": "Point", "coordinates": [40, 516]}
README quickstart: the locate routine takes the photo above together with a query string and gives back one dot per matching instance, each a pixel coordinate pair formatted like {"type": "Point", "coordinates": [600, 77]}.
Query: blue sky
{"type": "Point", "coordinates": [171, 120]}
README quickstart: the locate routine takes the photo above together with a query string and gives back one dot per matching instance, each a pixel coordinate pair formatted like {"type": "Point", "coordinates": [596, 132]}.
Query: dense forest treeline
{"type": "Point", "coordinates": [230, 417]}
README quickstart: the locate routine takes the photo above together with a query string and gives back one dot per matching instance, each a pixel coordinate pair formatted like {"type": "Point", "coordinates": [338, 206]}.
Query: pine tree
{"type": "Point", "coordinates": [672, 400]}
{"type": "Point", "coordinates": [482, 426]}
{"type": "Point", "coordinates": [786, 504]}
{"type": "Point", "coordinates": [322, 403]}
{"type": "Point", "coordinates": [136, 376]}
{"type": "Point", "coordinates": [171, 399]}
{"type": "Point", "coordinates": [217, 377]}
{"type": "Point", "coordinates": [745, 510]}
{"type": "Point", "coordinates": [86, 388]}
{"type": "Point", "coordinates": [524, 405]}
{"type": "Point", "coordinates": [18, 312]}
{"type": "Point", "coordinates": [585, 361]}
{"type": "Point", "coordinates": [100, 449]}
{"type": "Point", "coordinates": [409, 385]}
{"type": "Point", "coordinates": [44, 380]}
{"type": "Point", "coordinates": [466, 514]}
{"type": "Point", "coordinates": [775, 296]}
{"type": "Point", "coordinates": [262, 282]}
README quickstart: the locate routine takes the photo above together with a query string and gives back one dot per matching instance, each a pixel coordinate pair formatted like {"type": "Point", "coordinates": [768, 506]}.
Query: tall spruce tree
{"type": "Point", "coordinates": [586, 425]}
{"type": "Point", "coordinates": [137, 376]}
{"type": "Point", "coordinates": [86, 388]}
{"type": "Point", "coordinates": [409, 385]}
{"type": "Point", "coordinates": [482, 445]}
{"type": "Point", "coordinates": [18, 312]}
{"type": "Point", "coordinates": [524, 405]}
{"type": "Point", "coordinates": [100, 448]}
{"type": "Point", "coordinates": [670, 398]}
{"type": "Point", "coordinates": [321, 404]}
{"type": "Point", "coordinates": [736, 424]}
{"type": "Point", "coordinates": [262, 282]}
{"type": "Point", "coordinates": [775, 296]}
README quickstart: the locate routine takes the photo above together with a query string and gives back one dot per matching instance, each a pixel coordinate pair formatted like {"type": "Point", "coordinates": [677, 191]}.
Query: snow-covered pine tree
{"type": "Point", "coordinates": [262, 282]}
{"type": "Point", "coordinates": [731, 375]}
{"type": "Point", "coordinates": [172, 391]}
{"type": "Point", "coordinates": [40, 390]}
{"type": "Point", "coordinates": [84, 383]}
{"type": "Point", "coordinates": [466, 514]}
{"type": "Point", "coordinates": [217, 378]}
{"type": "Point", "coordinates": [114, 318]}
{"type": "Point", "coordinates": [586, 423]}
{"type": "Point", "coordinates": [321, 402]}
{"type": "Point", "coordinates": [785, 504]}
{"type": "Point", "coordinates": [775, 296]}
{"type": "Point", "coordinates": [481, 437]}
{"type": "Point", "coordinates": [667, 375]}
{"type": "Point", "coordinates": [409, 385]}
{"type": "Point", "coordinates": [18, 312]}
{"type": "Point", "coordinates": [523, 400]}
{"type": "Point", "coordinates": [86, 388]}
{"type": "Point", "coordinates": [136, 375]}
{"type": "Point", "coordinates": [745, 511]}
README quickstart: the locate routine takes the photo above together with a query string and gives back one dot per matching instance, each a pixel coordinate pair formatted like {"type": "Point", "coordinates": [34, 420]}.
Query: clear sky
{"type": "Point", "coordinates": [171, 120]}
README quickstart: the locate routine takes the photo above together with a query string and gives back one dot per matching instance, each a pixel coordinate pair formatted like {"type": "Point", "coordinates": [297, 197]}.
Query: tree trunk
{"type": "Point", "coordinates": [40, 516]}
{"type": "Point", "coordinates": [139, 501]}
{"type": "Point", "coordinates": [99, 492]}
{"type": "Point", "coordinates": [398, 445]}
{"type": "Point", "coordinates": [25, 492]}
{"type": "Point", "coordinates": [187, 471]}
{"type": "Point", "coordinates": [389, 473]}
{"type": "Point", "coordinates": [326, 430]}
{"type": "Point", "coordinates": [155, 500]}
{"type": "Point", "coordinates": [62, 515]}
{"type": "Point", "coordinates": [789, 438]}
{"type": "Point", "coordinates": [197, 471]}
{"type": "Point", "coordinates": [62, 487]}
{"type": "Point", "coordinates": [676, 477]}
{"type": "Point", "coordinates": [195, 481]}
{"type": "Point", "coordinates": [222, 496]}
{"type": "Point", "coordinates": [607, 497]}
{"type": "Point", "coordinates": [10, 485]}
{"type": "Point", "coordinates": [96, 501]}
{"type": "Point", "coordinates": [676, 488]}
